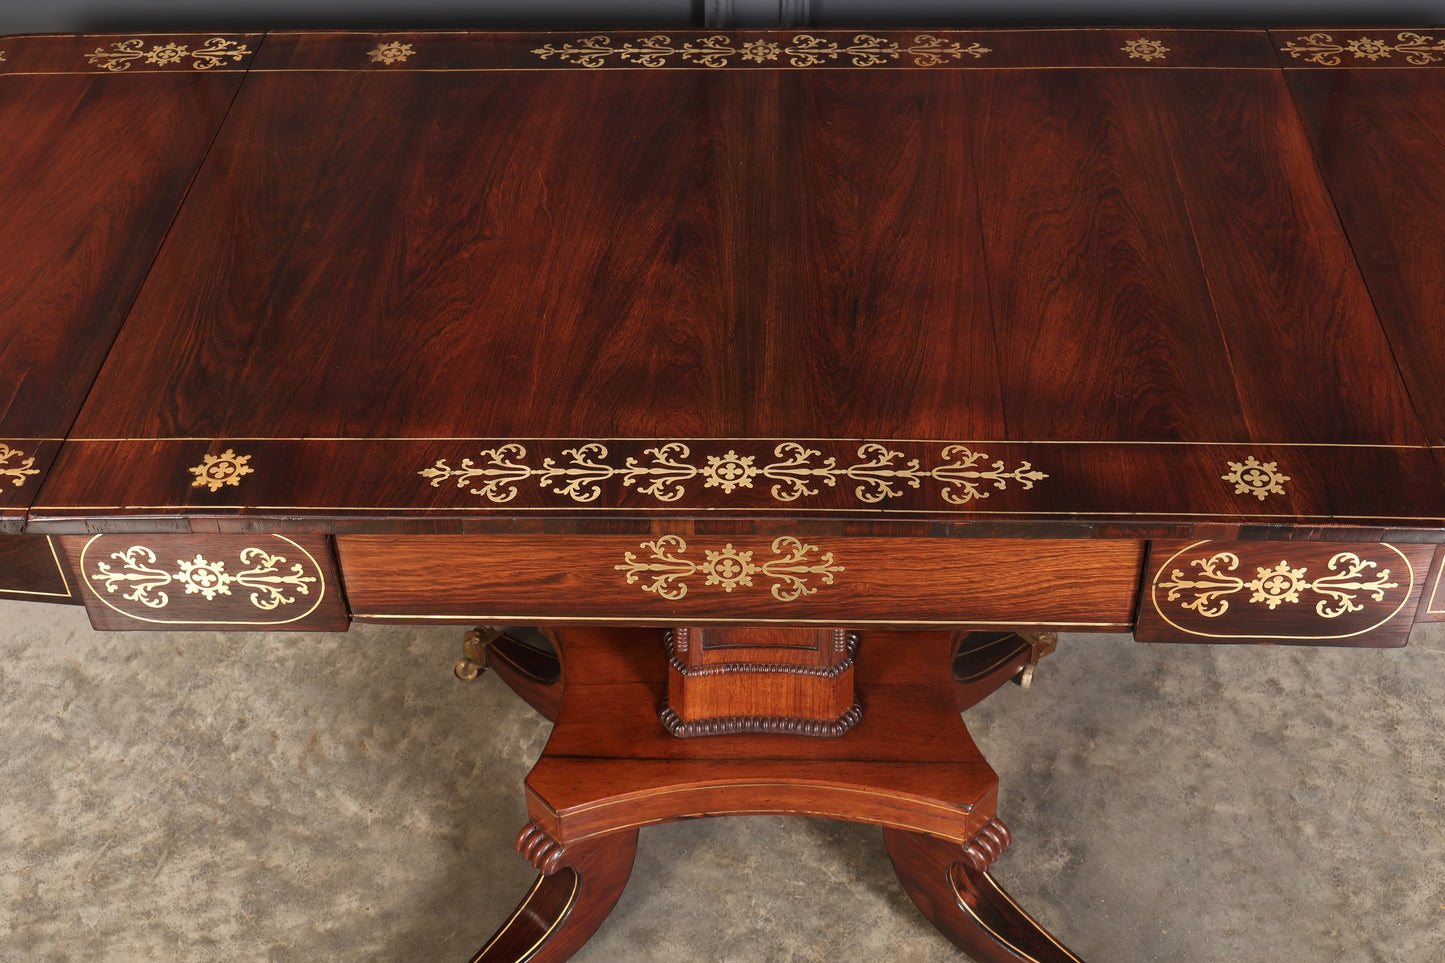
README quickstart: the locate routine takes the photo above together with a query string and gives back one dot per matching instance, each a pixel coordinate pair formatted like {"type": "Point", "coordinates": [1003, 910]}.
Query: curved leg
{"type": "Point", "coordinates": [952, 887]}
{"type": "Point", "coordinates": [532, 673]}
{"type": "Point", "coordinates": [578, 887]}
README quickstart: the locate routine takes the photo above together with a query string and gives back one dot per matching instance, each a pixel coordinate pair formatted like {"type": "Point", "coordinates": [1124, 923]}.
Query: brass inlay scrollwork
{"type": "Point", "coordinates": [122, 53]}
{"type": "Point", "coordinates": [1321, 48]}
{"type": "Point", "coordinates": [263, 574]}
{"type": "Point", "coordinates": [1143, 49]}
{"type": "Point", "coordinates": [19, 472]}
{"type": "Point", "coordinates": [718, 50]}
{"type": "Point", "coordinates": [729, 568]}
{"type": "Point", "coordinates": [1252, 477]}
{"type": "Point", "coordinates": [390, 53]}
{"type": "Point", "coordinates": [1274, 586]}
{"type": "Point", "coordinates": [223, 469]}
{"type": "Point", "coordinates": [879, 472]}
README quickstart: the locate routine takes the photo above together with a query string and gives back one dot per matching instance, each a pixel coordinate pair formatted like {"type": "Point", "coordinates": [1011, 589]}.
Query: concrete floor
{"type": "Point", "coordinates": [284, 797]}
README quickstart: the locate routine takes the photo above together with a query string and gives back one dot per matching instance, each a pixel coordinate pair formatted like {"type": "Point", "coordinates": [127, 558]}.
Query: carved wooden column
{"type": "Point", "coordinates": [790, 681]}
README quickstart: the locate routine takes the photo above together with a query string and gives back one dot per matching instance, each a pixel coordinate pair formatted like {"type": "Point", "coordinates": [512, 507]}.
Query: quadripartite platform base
{"type": "Point", "coordinates": [909, 766]}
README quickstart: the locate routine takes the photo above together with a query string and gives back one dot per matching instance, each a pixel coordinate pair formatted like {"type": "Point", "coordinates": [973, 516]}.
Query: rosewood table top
{"type": "Point", "coordinates": [1109, 330]}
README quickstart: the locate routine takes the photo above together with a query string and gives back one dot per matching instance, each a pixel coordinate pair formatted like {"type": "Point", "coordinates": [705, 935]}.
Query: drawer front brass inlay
{"type": "Point", "coordinates": [729, 568]}
{"type": "Point", "coordinates": [1208, 592]}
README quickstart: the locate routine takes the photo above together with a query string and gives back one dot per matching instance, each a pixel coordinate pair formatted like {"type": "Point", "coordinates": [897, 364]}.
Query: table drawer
{"type": "Point", "coordinates": [676, 579]}
{"type": "Point", "coordinates": [250, 582]}
{"type": "Point", "coordinates": [1307, 593]}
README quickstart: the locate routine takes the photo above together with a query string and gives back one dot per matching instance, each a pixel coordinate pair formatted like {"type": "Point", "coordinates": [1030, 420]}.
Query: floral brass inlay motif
{"type": "Point", "coordinates": [880, 472]}
{"type": "Point", "coordinates": [1143, 49]}
{"type": "Point", "coordinates": [1255, 478]}
{"type": "Point", "coordinates": [804, 50]}
{"type": "Point", "coordinates": [19, 472]}
{"type": "Point", "coordinates": [223, 469]}
{"type": "Point", "coordinates": [1322, 49]}
{"type": "Point", "coordinates": [391, 53]}
{"type": "Point", "coordinates": [1209, 590]}
{"type": "Point", "coordinates": [123, 53]}
{"type": "Point", "coordinates": [264, 576]}
{"type": "Point", "coordinates": [729, 568]}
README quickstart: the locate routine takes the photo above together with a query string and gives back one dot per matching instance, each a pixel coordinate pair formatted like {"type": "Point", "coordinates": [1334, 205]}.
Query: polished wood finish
{"type": "Point", "coordinates": [760, 336]}
{"type": "Point", "coordinates": [609, 767]}
{"type": "Point", "coordinates": [1287, 592]}
{"type": "Point", "coordinates": [983, 661]}
{"type": "Point", "coordinates": [610, 764]}
{"type": "Point", "coordinates": [31, 569]}
{"type": "Point", "coordinates": [219, 582]}
{"type": "Point", "coordinates": [532, 673]}
{"type": "Point", "coordinates": [726, 681]}
{"type": "Point", "coordinates": [578, 886]}
{"type": "Point", "coordinates": [94, 168]}
{"type": "Point", "coordinates": [952, 887]}
{"type": "Point", "coordinates": [838, 580]}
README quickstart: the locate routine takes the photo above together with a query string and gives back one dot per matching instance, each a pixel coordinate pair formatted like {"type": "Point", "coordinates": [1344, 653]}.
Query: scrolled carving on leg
{"type": "Point", "coordinates": [578, 886]}
{"type": "Point", "coordinates": [985, 848]}
{"type": "Point", "coordinates": [952, 887]}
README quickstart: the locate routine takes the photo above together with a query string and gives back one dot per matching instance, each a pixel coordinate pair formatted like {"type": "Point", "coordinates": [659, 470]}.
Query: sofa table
{"type": "Point", "coordinates": [800, 385]}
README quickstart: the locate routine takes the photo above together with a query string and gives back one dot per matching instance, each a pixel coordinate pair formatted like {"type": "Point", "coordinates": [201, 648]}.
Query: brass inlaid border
{"type": "Point", "coordinates": [1000, 937]}
{"type": "Point", "coordinates": [320, 591]}
{"type": "Point", "coordinates": [213, 53]}
{"type": "Point", "coordinates": [522, 908]}
{"type": "Point", "coordinates": [877, 472]}
{"type": "Point", "coordinates": [1419, 50]}
{"type": "Point", "coordinates": [719, 50]}
{"type": "Point", "coordinates": [64, 580]}
{"type": "Point", "coordinates": [1154, 586]}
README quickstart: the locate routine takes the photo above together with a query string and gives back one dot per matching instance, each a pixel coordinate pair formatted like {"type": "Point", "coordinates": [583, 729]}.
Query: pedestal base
{"type": "Point", "coordinates": [910, 767]}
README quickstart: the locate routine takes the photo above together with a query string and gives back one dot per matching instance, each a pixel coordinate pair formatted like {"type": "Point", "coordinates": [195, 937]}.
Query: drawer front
{"type": "Point", "coordinates": [1307, 593]}
{"type": "Point", "coordinates": [241, 582]}
{"type": "Point", "coordinates": [677, 579]}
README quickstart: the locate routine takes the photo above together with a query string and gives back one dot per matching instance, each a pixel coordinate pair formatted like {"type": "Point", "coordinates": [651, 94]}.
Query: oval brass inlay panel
{"type": "Point", "coordinates": [1198, 584]}
{"type": "Point", "coordinates": [281, 583]}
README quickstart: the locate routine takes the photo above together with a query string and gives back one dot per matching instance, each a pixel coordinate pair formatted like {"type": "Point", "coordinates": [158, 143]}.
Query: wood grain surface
{"type": "Point", "coordinates": [94, 167]}
{"type": "Point", "coordinates": [1142, 261]}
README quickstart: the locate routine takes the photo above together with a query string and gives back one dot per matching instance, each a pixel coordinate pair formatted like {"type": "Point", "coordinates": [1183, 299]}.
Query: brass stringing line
{"type": "Point", "coordinates": [879, 473]}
